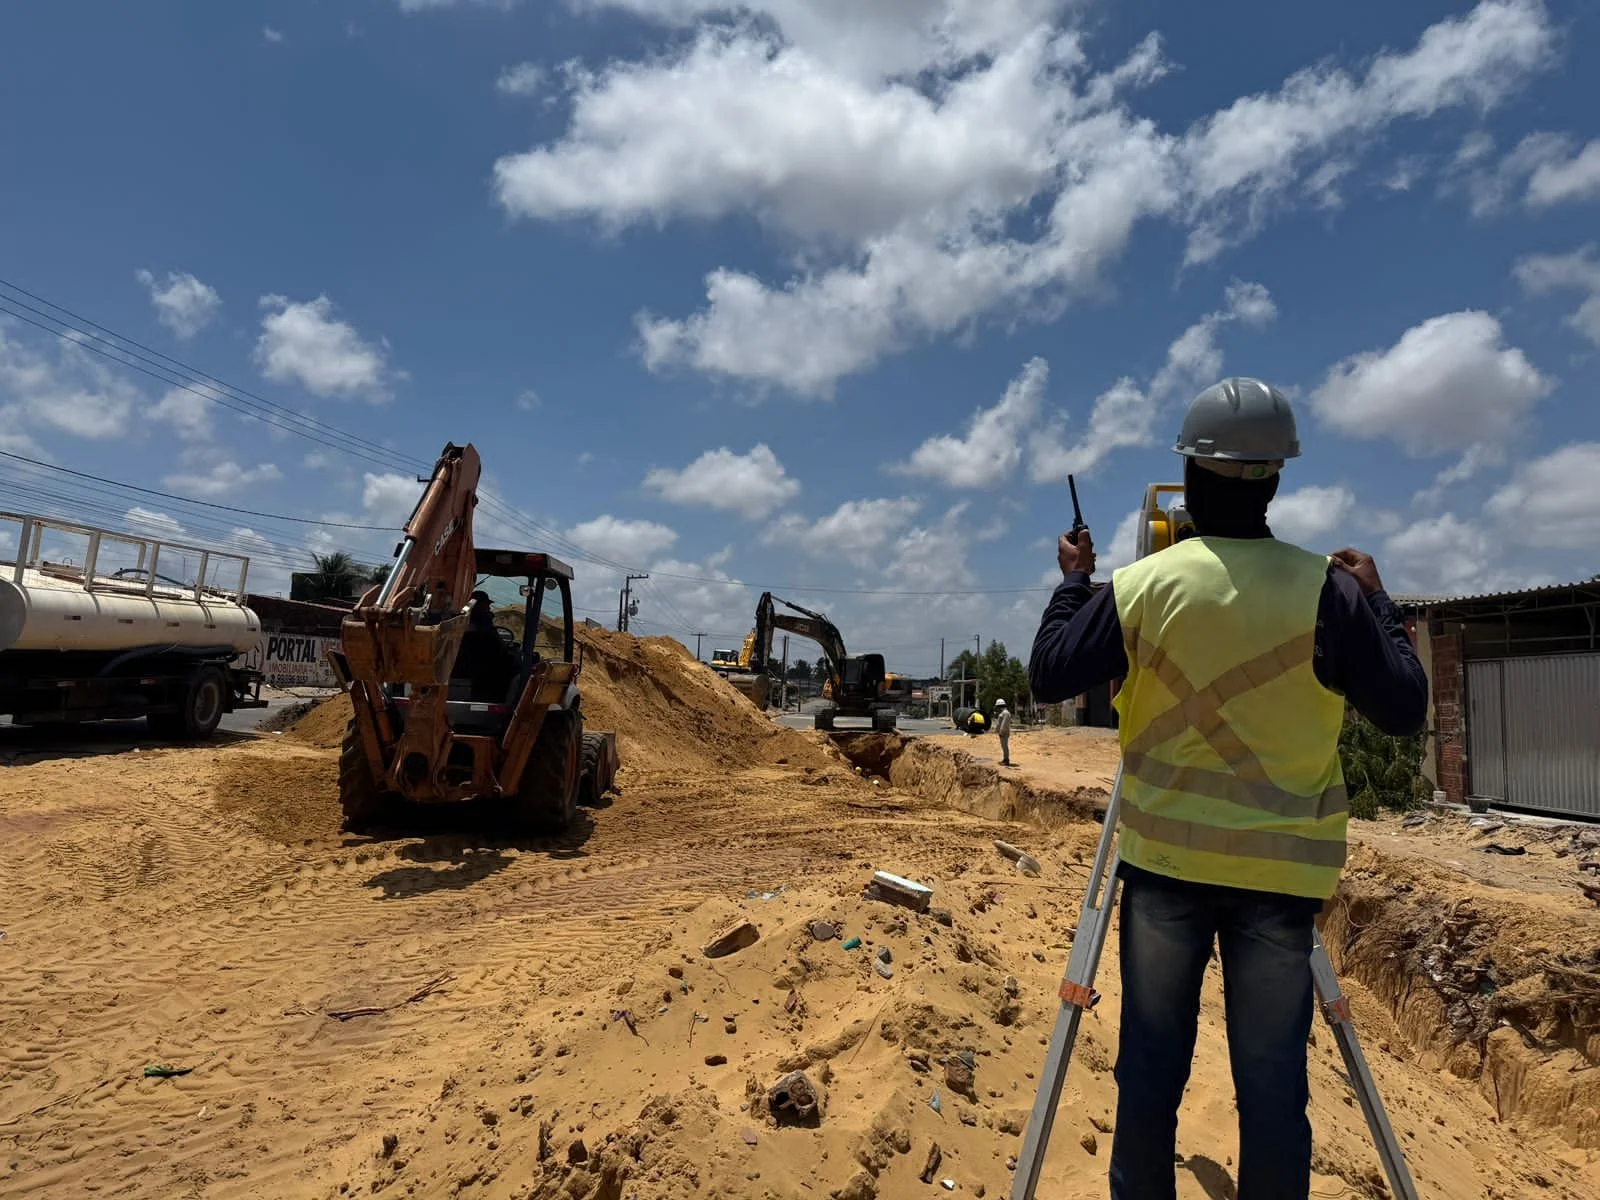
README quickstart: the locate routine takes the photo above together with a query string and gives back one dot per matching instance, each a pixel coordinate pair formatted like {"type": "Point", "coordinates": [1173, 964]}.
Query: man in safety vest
{"type": "Point", "coordinates": [1238, 653]}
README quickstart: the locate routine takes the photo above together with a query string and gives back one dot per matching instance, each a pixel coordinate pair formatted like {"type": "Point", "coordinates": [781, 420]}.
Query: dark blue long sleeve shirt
{"type": "Point", "coordinates": [1362, 650]}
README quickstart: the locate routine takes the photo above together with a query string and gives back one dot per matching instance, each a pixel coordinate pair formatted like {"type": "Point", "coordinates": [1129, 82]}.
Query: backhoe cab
{"type": "Point", "coordinates": [463, 678]}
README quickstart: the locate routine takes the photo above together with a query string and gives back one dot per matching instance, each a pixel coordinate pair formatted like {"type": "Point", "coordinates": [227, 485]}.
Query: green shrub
{"type": "Point", "coordinates": [1381, 772]}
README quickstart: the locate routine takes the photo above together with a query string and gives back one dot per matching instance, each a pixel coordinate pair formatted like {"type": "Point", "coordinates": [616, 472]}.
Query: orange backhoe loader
{"type": "Point", "coordinates": [450, 705]}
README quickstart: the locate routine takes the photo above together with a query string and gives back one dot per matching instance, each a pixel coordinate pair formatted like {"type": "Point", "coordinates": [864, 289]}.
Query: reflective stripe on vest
{"type": "Point", "coordinates": [1198, 802]}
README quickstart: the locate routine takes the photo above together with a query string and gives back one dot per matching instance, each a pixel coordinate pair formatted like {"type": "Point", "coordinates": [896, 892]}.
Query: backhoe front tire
{"type": "Point", "coordinates": [365, 805]}
{"type": "Point", "coordinates": [591, 787]}
{"type": "Point", "coordinates": [547, 797]}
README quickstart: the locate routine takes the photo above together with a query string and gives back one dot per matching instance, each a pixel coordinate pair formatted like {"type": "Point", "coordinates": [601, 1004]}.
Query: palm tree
{"type": "Point", "coordinates": [338, 577]}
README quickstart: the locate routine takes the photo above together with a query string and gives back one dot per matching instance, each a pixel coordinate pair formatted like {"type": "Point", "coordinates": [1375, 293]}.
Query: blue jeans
{"type": "Point", "coordinates": [1168, 928]}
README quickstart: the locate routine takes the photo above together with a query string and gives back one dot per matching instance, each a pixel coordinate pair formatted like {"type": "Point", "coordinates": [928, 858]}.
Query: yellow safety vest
{"type": "Point", "coordinates": [1230, 746]}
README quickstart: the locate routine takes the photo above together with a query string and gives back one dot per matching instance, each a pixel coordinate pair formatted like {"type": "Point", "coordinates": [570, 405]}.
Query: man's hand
{"type": "Point", "coordinates": [1077, 556]}
{"type": "Point", "coordinates": [1361, 566]}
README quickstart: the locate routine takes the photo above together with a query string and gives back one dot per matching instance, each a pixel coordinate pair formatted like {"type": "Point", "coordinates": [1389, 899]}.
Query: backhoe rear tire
{"type": "Point", "coordinates": [366, 806]}
{"type": "Point", "coordinates": [824, 718]}
{"type": "Point", "coordinates": [547, 797]}
{"type": "Point", "coordinates": [884, 720]}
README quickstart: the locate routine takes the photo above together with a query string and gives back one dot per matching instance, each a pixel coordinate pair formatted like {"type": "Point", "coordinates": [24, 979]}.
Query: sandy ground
{"type": "Point", "coordinates": [454, 1013]}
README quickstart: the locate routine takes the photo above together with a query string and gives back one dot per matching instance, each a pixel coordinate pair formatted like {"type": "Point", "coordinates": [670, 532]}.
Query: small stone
{"type": "Point", "coordinates": [1090, 1143]}
{"type": "Point", "coordinates": [731, 941]}
{"type": "Point", "coordinates": [824, 931]}
{"type": "Point", "coordinates": [935, 1157]}
{"type": "Point", "coordinates": [1011, 987]}
{"type": "Point", "coordinates": [390, 1143]}
{"type": "Point", "coordinates": [883, 968]}
{"type": "Point", "coordinates": [968, 1117]}
{"type": "Point", "coordinates": [577, 1152]}
{"type": "Point", "coordinates": [675, 972]}
{"type": "Point", "coordinates": [793, 1096]}
{"type": "Point", "coordinates": [730, 1026]}
{"type": "Point", "coordinates": [942, 915]}
{"type": "Point", "coordinates": [884, 956]}
{"type": "Point", "coordinates": [716, 1060]}
{"type": "Point", "coordinates": [958, 1077]}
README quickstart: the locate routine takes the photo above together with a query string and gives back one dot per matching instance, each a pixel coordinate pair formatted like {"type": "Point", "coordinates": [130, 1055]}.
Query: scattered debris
{"type": "Point", "coordinates": [933, 1102]}
{"type": "Point", "coordinates": [1497, 848]}
{"type": "Point", "coordinates": [1414, 821]}
{"type": "Point", "coordinates": [1026, 863]}
{"type": "Point", "coordinates": [1090, 1143]}
{"type": "Point", "coordinates": [823, 931]}
{"type": "Point", "coordinates": [767, 895]}
{"type": "Point", "coordinates": [948, 1185]}
{"type": "Point", "coordinates": [716, 1060]}
{"type": "Point", "coordinates": [884, 955]}
{"type": "Point", "coordinates": [733, 940]}
{"type": "Point", "coordinates": [853, 944]}
{"type": "Point", "coordinates": [162, 1071]}
{"type": "Point", "coordinates": [577, 1152]}
{"type": "Point", "coordinates": [794, 1096]}
{"type": "Point", "coordinates": [1485, 826]}
{"type": "Point", "coordinates": [892, 889]}
{"type": "Point", "coordinates": [960, 1073]}
{"type": "Point", "coordinates": [943, 916]}
{"type": "Point", "coordinates": [391, 1143]}
{"type": "Point", "coordinates": [545, 1130]}
{"type": "Point", "coordinates": [749, 1137]}
{"type": "Point", "coordinates": [931, 1167]}
{"type": "Point", "coordinates": [373, 1010]}
{"type": "Point", "coordinates": [883, 968]}
{"type": "Point", "coordinates": [792, 1002]}
{"type": "Point", "coordinates": [1011, 987]}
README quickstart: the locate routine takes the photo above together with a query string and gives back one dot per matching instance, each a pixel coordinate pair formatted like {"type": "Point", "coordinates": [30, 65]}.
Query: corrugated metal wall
{"type": "Point", "coordinates": [1533, 732]}
{"type": "Point", "coordinates": [1486, 731]}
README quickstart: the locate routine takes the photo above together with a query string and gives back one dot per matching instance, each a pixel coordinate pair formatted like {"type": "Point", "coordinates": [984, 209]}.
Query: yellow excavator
{"type": "Point", "coordinates": [448, 706]}
{"type": "Point", "coordinates": [857, 684]}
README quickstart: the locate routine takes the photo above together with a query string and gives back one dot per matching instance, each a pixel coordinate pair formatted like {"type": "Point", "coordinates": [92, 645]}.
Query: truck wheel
{"type": "Point", "coordinates": [365, 805]}
{"type": "Point", "coordinates": [884, 720]}
{"type": "Point", "coordinates": [547, 797]}
{"type": "Point", "coordinates": [591, 785]}
{"type": "Point", "coordinates": [824, 719]}
{"type": "Point", "coordinates": [205, 695]}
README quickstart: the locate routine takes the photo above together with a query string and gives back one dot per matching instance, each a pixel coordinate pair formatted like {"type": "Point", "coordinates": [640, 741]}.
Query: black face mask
{"type": "Point", "coordinates": [1225, 507]}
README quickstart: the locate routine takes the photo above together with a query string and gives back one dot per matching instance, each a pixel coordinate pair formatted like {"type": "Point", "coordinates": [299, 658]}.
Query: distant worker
{"type": "Point", "coordinates": [1002, 728]}
{"type": "Point", "coordinates": [1244, 650]}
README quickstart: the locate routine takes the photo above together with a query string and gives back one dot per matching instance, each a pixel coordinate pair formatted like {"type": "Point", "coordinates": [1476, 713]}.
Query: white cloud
{"type": "Point", "coordinates": [1577, 178]}
{"type": "Point", "coordinates": [272, 35]}
{"type": "Point", "coordinates": [1474, 460]}
{"type": "Point", "coordinates": [223, 479]}
{"type": "Point", "coordinates": [632, 543]}
{"type": "Point", "coordinates": [989, 454]}
{"type": "Point", "coordinates": [70, 391]}
{"type": "Point", "coordinates": [1122, 549]}
{"type": "Point", "coordinates": [412, 6]}
{"type": "Point", "coordinates": [303, 342]}
{"type": "Point", "coordinates": [1448, 556]}
{"type": "Point", "coordinates": [752, 484]}
{"type": "Point", "coordinates": [187, 410]}
{"type": "Point", "coordinates": [1577, 271]}
{"type": "Point", "coordinates": [523, 79]}
{"type": "Point", "coordinates": [856, 531]}
{"type": "Point", "coordinates": [1493, 187]}
{"type": "Point", "coordinates": [911, 146]}
{"type": "Point", "coordinates": [528, 400]}
{"type": "Point", "coordinates": [153, 524]}
{"type": "Point", "coordinates": [1545, 501]}
{"type": "Point", "coordinates": [1124, 414]}
{"type": "Point", "coordinates": [319, 460]}
{"type": "Point", "coordinates": [1310, 514]}
{"type": "Point", "coordinates": [183, 304]}
{"type": "Point", "coordinates": [390, 499]}
{"type": "Point", "coordinates": [1447, 384]}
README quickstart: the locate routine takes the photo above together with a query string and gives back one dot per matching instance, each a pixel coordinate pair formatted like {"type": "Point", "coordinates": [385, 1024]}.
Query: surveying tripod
{"type": "Point", "coordinates": [1077, 994]}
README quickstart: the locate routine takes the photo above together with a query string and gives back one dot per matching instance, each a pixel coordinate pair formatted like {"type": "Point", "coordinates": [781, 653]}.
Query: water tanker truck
{"type": "Point", "coordinates": [98, 625]}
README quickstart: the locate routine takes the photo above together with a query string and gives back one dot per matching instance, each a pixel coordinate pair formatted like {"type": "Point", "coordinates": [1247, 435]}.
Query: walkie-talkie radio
{"type": "Point", "coordinates": [1077, 514]}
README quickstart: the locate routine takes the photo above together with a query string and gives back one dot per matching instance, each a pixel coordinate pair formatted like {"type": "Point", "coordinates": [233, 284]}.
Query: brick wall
{"type": "Point", "coordinates": [1449, 679]}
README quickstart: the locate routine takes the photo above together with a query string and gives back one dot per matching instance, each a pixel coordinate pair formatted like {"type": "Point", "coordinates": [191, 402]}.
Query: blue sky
{"type": "Point", "coordinates": [782, 295]}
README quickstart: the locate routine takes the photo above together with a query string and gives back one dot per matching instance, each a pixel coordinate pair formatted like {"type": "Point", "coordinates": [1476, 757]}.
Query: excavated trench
{"type": "Point", "coordinates": [1497, 990]}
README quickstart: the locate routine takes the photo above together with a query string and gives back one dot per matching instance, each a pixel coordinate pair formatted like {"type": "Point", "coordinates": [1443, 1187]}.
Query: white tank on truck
{"type": "Point", "coordinates": [98, 624]}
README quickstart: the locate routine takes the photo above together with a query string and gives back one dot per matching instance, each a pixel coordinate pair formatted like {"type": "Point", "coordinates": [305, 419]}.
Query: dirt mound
{"type": "Point", "coordinates": [324, 725]}
{"type": "Point", "coordinates": [669, 711]}
{"type": "Point", "coordinates": [288, 800]}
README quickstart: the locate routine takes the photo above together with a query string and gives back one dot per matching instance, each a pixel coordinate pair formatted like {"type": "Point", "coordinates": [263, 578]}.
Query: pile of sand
{"type": "Point", "coordinates": [670, 712]}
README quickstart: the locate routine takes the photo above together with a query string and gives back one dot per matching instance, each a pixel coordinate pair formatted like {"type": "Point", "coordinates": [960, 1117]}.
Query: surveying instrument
{"type": "Point", "coordinates": [1159, 528]}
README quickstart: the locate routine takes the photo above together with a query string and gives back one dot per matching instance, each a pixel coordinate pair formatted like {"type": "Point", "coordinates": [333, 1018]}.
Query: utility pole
{"type": "Point", "coordinates": [783, 704]}
{"type": "Point", "coordinates": [941, 660]}
{"type": "Point", "coordinates": [626, 606]}
{"type": "Point", "coordinates": [697, 638]}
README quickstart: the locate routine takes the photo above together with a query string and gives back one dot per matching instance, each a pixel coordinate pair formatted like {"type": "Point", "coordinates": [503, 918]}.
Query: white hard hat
{"type": "Point", "coordinates": [999, 703]}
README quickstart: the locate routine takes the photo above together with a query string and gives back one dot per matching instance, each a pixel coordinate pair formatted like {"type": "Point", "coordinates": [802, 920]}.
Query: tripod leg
{"type": "Point", "coordinates": [1077, 994]}
{"type": "Point", "coordinates": [1336, 1008]}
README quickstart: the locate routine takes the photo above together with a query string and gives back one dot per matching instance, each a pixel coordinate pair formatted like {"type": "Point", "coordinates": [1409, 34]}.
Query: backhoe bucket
{"type": "Point", "coordinates": [390, 647]}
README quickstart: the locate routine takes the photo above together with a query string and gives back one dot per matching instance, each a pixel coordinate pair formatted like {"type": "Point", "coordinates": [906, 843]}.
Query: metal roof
{"type": "Point", "coordinates": [1425, 601]}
